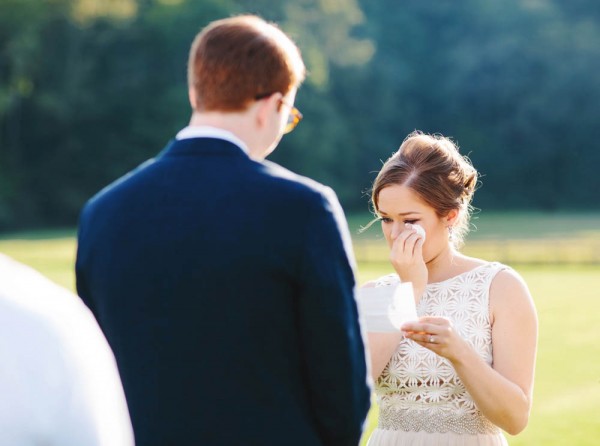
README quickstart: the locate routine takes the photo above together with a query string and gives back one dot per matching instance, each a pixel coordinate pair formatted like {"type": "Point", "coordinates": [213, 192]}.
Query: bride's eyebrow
{"type": "Point", "coordinates": [400, 214]}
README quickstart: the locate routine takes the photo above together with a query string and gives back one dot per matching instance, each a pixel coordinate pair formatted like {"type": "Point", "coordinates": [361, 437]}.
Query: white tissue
{"type": "Point", "coordinates": [420, 230]}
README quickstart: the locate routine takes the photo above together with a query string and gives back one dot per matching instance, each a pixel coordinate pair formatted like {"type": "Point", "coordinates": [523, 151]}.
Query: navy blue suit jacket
{"type": "Point", "coordinates": [225, 290]}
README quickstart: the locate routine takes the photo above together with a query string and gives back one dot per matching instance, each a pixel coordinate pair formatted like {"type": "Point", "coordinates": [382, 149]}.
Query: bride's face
{"type": "Point", "coordinates": [398, 205]}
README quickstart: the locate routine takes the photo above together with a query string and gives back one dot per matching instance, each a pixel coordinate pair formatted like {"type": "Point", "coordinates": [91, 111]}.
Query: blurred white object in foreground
{"type": "Point", "coordinates": [59, 380]}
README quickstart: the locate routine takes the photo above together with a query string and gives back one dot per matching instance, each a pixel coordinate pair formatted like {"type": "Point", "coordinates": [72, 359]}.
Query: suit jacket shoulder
{"type": "Point", "coordinates": [295, 183]}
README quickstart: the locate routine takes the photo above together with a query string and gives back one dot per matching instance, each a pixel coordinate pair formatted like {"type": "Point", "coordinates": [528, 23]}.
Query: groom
{"type": "Point", "coordinates": [223, 282]}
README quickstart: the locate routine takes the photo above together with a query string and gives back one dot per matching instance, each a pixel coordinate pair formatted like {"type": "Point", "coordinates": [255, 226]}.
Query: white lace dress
{"type": "Point", "coordinates": [422, 402]}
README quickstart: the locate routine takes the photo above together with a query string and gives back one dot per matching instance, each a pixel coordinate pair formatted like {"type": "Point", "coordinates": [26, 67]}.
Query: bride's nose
{"type": "Point", "coordinates": [397, 228]}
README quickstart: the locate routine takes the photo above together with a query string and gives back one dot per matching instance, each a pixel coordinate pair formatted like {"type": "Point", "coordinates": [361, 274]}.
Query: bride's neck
{"type": "Point", "coordinates": [440, 266]}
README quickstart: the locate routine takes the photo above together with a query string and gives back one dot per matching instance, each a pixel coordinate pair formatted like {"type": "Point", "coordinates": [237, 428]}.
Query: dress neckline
{"type": "Point", "coordinates": [459, 275]}
{"type": "Point", "coordinates": [391, 278]}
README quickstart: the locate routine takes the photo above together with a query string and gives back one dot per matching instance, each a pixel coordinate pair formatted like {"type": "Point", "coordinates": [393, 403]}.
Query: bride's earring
{"type": "Point", "coordinates": [450, 236]}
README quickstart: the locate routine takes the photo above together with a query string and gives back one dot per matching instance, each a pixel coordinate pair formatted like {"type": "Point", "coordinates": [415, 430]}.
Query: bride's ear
{"type": "Point", "coordinates": [452, 217]}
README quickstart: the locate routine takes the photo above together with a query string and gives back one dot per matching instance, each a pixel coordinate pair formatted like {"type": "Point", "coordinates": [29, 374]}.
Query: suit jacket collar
{"type": "Point", "coordinates": [202, 147]}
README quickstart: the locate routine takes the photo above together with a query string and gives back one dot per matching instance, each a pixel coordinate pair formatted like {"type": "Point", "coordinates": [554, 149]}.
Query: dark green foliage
{"type": "Point", "coordinates": [85, 99]}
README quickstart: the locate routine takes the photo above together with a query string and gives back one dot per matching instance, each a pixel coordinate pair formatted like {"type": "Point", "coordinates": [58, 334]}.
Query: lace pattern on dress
{"type": "Point", "coordinates": [419, 390]}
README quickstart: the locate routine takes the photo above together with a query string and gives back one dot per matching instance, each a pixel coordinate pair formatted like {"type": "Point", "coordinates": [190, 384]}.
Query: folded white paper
{"type": "Point", "coordinates": [385, 309]}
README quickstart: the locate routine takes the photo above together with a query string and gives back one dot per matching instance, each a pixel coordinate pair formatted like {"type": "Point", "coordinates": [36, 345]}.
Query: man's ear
{"type": "Point", "coordinates": [192, 97]}
{"type": "Point", "coordinates": [266, 107]}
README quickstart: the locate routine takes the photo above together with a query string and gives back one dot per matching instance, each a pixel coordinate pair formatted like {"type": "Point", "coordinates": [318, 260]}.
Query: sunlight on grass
{"type": "Point", "coordinates": [54, 257]}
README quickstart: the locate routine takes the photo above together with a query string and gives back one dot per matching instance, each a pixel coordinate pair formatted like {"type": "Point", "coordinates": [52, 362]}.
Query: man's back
{"type": "Point", "coordinates": [226, 293]}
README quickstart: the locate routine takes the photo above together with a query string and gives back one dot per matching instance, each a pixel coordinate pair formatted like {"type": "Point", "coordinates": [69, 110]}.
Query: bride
{"type": "Point", "coordinates": [464, 370]}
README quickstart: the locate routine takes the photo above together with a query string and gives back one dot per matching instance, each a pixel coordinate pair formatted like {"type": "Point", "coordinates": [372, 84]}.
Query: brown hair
{"type": "Point", "coordinates": [432, 167]}
{"type": "Point", "coordinates": [234, 61]}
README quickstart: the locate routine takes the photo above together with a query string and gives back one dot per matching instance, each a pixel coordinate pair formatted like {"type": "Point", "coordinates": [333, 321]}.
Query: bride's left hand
{"type": "Point", "coordinates": [436, 334]}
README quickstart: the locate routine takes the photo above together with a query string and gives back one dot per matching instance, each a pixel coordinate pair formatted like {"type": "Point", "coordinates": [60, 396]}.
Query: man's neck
{"type": "Point", "coordinates": [236, 123]}
{"type": "Point", "coordinates": [205, 131]}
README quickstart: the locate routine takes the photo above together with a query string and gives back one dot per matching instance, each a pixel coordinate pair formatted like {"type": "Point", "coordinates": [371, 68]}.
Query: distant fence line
{"type": "Point", "coordinates": [529, 251]}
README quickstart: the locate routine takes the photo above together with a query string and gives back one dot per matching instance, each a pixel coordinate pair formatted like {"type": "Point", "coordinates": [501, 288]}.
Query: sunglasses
{"type": "Point", "coordinates": [293, 118]}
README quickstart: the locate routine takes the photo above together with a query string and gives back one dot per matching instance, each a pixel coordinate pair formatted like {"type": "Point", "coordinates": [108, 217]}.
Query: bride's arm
{"type": "Point", "coordinates": [381, 348]}
{"type": "Point", "coordinates": [505, 396]}
{"type": "Point", "coordinates": [502, 392]}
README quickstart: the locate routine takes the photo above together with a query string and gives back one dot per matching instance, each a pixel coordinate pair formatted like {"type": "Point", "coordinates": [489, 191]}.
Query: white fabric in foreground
{"type": "Point", "coordinates": [59, 383]}
{"type": "Point", "coordinates": [385, 309]}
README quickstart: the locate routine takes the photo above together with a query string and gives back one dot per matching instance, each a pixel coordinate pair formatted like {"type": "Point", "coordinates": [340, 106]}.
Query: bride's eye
{"type": "Point", "coordinates": [411, 222]}
{"type": "Point", "coordinates": [385, 219]}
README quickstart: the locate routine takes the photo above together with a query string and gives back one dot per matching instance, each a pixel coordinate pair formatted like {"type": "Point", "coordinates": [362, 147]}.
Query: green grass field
{"type": "Point", "coordinates": [567, 389]}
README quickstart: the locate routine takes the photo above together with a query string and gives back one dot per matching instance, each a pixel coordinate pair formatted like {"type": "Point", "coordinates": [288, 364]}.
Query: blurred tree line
{"type": "Point", "coordinates": [91, 88]}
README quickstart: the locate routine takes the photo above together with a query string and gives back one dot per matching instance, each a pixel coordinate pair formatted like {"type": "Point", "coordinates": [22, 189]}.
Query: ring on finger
{"type": "Point", "coordinates": [431, 339]}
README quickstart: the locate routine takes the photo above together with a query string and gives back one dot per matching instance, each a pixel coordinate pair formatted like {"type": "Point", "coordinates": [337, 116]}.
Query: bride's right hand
{"type": "Point", "coordinates": [406, 256]}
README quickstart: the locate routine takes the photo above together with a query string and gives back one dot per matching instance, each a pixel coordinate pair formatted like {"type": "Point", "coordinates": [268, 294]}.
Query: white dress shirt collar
{"type": "Point", "coordinates": [206, 131]}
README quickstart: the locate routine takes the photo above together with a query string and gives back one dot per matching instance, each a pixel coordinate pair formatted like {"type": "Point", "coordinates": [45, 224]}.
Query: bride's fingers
{"type": "Point", "coordinates": [400, 242]}
{"type": "Point", "coordinates": [410, 242]}
{"type": "Point", "coordinates": [420, 327]}
{"type": "Point", "coordinates": [433, 325]}
{"type": "Point", "coordinates": [418, 248]}
{"type": "Point", "coordinates": [426, 339]}
{"type": "Point", "coordinates": [439, 321]}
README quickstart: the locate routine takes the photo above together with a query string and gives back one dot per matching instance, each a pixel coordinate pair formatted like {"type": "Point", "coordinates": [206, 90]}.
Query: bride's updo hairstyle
{"type": "Point", "coordinates": [433, 168]}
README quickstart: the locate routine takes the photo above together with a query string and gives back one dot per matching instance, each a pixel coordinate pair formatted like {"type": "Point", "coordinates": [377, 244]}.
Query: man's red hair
{"type": "Point", "coordinates": [237, 60]}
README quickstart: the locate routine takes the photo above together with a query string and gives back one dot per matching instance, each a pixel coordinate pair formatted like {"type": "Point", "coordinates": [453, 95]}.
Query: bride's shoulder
{"type": "Point", "coordinates": [387, 280]}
